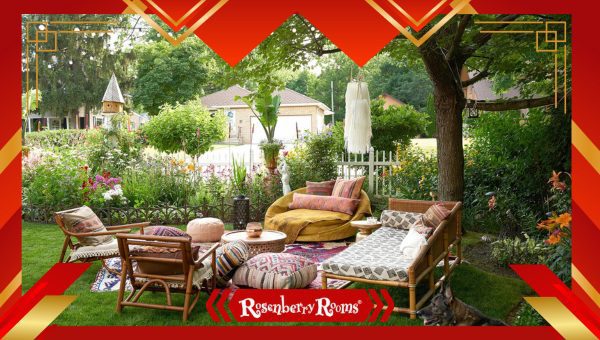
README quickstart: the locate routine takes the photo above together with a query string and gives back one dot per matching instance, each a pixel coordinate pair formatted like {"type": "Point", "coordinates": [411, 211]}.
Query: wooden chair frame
{"type": "Point", "coordinates": [447, 235]}
{"type": "Point", "coordinates": [154, 282]}
{"type": "Point", "coordinates": [72, 244]}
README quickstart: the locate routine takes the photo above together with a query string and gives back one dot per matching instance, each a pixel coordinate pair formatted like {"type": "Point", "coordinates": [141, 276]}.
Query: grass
{"type": "Point", "coordinates": [493, 294]}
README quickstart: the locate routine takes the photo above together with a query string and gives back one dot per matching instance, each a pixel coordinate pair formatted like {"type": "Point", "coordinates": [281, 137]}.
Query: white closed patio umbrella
{"type": "Point", "coordinates": [357, 127]}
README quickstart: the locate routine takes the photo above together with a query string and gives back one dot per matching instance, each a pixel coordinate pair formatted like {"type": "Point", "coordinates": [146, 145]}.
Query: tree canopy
{"type": "Point", "coordinates": [168, 74]}
{"type": "Point", "coordinates": [78, 72]}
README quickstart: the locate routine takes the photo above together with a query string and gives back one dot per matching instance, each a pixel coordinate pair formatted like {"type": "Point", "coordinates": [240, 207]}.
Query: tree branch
{"type": "Point", "coordinates": [480, 76]}
{"type": "Point", "coordinates": [482, 38]}
{"type": "Point", "coordinates": [510, 104]}
{"type": "Point", "coordinates": [460, 31]}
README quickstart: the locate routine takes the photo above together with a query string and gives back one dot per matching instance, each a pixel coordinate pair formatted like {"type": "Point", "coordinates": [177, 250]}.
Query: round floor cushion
{"type": "Point", "coordinates": [276, 271]}
{"type": "Point", "coordinates": [205, 230]}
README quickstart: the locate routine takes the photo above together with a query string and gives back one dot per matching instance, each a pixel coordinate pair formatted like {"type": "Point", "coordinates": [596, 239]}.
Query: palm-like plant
{"type": "Point", "coordinates": [265, 108]}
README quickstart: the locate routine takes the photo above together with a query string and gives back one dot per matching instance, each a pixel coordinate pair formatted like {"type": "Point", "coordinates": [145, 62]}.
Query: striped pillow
{"type": "Point", "coordinates": [320, 188]}
{"type": "Point", "coordinates": [348, 188]}
{"type": "Point", "coordinates": [327, 203]}
{"type": "Point", "coordinates": [435, 215]}
{"type": "Point", "coordinates": [228, 258]}
{"type": "Point", "coordinates": [276, 271]}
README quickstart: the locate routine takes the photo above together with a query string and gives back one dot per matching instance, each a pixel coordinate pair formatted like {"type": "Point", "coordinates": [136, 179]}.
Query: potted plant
{"type": "Point", "coordinates": [265, 108]}
{"type": "Point", "coordinates": [241, 203]}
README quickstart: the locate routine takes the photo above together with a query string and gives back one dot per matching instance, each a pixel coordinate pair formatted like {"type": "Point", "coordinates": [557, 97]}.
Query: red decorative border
{"type": "Point", "coordinates": [232, 33]}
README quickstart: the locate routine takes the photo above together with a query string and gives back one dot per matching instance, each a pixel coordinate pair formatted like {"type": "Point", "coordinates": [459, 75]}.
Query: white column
{"type": "Point", "coordinates": [29, 124]}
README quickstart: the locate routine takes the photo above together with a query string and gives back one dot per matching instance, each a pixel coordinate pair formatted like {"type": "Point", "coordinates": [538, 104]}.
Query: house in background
{"type": "Point", "coordinates": [113, 102]}
{"type": "Point", "coordinates": [298, 113]}
{"type": "Point", "coordinates": [389, 100]}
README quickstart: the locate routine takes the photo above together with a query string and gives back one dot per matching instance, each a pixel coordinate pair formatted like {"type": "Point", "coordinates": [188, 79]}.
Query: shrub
{"type": "Point", "coordinates": [395, 125]}
{"type": "Point", "coordinates": [511, 155]}
{"type": "Point", "coordinates": [55, 138]}
{"type": "Point", "coordinates": [314, 160]}
{"type": "Point", "coordinates": [188, 127]}
{"type": "Point", "coordinates": [53, 178]}
{"type": "Point", "coordinates": [416, 175]}
{"type": "Point", "coordinates": [519, 251]}
{"type": "Point", "coordinates": [112, 150]}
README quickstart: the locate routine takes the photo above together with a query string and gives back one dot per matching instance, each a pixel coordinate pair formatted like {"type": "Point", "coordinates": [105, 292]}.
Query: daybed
{"type": "Point", "coordinates": [305, 225]}
{"type": "Point", "coordinates": [376, 258]}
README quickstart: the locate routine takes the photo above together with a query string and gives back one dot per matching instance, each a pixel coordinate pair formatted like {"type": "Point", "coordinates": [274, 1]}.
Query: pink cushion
{"type": "Point", "coordinates": [320, 188]}
{"type": "Point", "coordinates": [327, 203]}
{"type": "Point", "coordinates": [348, 188]}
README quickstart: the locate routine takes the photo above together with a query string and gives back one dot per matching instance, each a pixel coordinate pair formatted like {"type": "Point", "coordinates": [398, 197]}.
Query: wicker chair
{"type": "Point", "coordinates": [439, 245]}
{"type": "Point", "coordinates": [195, 276]}
{"type": "Point", "coordinates": [78, 252]}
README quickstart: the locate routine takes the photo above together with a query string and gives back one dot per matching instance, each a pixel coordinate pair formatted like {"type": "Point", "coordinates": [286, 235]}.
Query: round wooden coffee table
{"type": "Point", "coordinates": [365, 228]}
{"type": "Point", "coordinates": [270, 241]}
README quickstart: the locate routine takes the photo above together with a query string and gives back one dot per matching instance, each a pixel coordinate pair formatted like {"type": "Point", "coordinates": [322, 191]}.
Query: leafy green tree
{"type": "Point", "coordinates": [188, 127]}
{"type": "Point", "coordinates": [77, 74]}
{"type": "Point", "coordinates": [168, 74]}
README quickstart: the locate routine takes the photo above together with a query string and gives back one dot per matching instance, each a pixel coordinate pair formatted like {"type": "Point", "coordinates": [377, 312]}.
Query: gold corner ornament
{"type": "Point", "coordinates": [560, 318]}
{"type": "Point", "coordinates": [40, 317]}
{"type": "Point", "coordinates": [458, 7]}
{"type": "Point", "coordinates": [138, 7]}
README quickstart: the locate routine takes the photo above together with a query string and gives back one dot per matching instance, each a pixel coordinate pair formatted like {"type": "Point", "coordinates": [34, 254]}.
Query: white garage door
{"type": "Point", "coordinates": [285, 130]}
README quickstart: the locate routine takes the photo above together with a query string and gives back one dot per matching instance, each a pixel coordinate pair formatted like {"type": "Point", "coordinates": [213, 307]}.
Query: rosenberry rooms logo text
{"type": "Point", "coordinates": [322, 306]}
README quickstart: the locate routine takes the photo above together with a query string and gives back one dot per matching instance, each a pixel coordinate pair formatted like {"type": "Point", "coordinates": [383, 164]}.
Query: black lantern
{"type": "Point", "coordinates": [241, 212]}
{"type": "Point", "coordinates": [473, 112]}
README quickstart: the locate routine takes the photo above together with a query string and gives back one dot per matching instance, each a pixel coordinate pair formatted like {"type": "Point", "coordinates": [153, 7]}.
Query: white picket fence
{"type": "Point", "coordinates": [372, 165]}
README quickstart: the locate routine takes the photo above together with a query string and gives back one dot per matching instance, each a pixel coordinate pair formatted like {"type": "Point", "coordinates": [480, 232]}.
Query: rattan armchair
{"type": "Point", "coordinates": [78, 252]}
{"type": "Point", "coordinates": [195, 275]}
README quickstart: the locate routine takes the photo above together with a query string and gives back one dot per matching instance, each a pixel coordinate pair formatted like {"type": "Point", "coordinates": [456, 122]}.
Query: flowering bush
{"type": "Point", "coordinates": [558, 226]}
{"type": "Point", "coordinates": [102, 189]}
{"type": "Point", "coordinates": [415, 177]}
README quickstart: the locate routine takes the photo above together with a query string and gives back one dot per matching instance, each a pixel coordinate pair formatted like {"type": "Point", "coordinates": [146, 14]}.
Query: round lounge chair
{"type": "Point", "coordinates": [305, 225]}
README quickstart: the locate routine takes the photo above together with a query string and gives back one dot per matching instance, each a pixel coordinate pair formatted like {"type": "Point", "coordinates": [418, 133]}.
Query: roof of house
{"type": "Point", "coordinates": [225, 98]}
{"type": "Point", "coordinates": [113, 92]}
{"type": "Point", "coordinates": [391, 100]}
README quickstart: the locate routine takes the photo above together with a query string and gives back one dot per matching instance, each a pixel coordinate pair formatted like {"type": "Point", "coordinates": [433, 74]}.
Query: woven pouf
{"type": "Point", "coordinates": [205, 230]}
{"type": "Point", "coordinates": [275, 271]}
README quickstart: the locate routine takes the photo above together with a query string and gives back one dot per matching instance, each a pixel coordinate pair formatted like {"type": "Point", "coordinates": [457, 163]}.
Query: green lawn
{"type": "Point", "coordinates": [493, 294]}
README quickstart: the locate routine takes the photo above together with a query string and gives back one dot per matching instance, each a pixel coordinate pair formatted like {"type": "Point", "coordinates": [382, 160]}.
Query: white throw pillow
{"type": "Point", "coordinates": [412, 243]}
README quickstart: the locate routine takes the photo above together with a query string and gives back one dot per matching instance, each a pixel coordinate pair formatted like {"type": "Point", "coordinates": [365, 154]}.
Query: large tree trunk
{"type": "Point", "coordinates": [449, 103]}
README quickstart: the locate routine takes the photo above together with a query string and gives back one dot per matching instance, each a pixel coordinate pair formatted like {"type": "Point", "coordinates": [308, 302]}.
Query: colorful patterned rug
{"type": "Point", "coordinates": [317, 252]}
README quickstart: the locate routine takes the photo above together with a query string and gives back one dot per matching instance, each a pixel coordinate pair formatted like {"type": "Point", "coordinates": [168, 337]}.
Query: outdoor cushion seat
{"type": "Point", "coordinates": [110, 249]}
{"type": "Point", "coordinates": [376, 257]}
{"type": "Point", "coordinates": [307, 225]}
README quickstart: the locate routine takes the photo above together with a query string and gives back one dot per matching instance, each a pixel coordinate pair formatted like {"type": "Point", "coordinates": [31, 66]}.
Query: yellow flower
{"type": "Point", "coordinates": [191, 167]}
